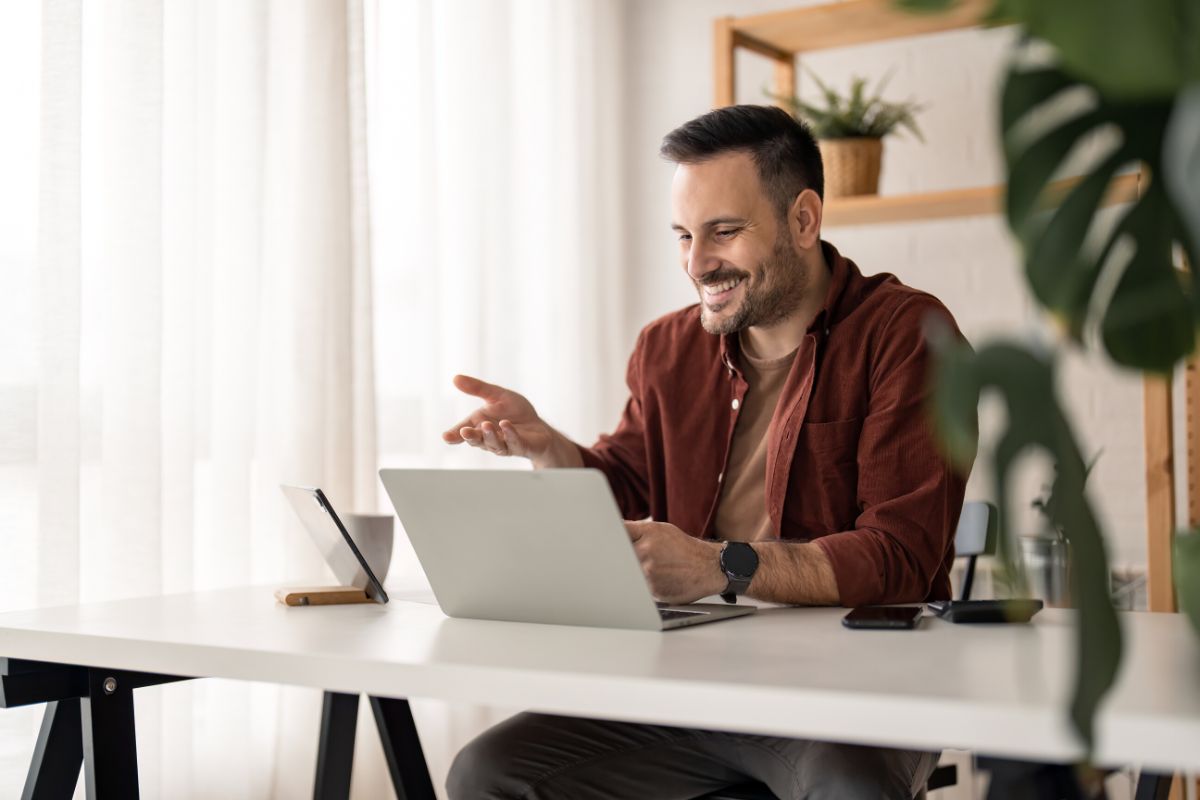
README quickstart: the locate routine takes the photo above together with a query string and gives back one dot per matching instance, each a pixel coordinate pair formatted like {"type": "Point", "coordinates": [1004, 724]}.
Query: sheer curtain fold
{"type": "Point", "coordinates": [58, 255]}
{"type": "Point", "coordinates": [496, 240]}
{"type": "Point", "coordinates": [203, 333]}
{"type": "Point", "coordinates": [221, 305]}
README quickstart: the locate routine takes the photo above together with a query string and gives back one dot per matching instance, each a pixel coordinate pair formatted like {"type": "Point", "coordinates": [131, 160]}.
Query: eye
{"type": "Point", "coordinates": [685, 237]}
{"type": "Point", "coordinates": [727, 234]}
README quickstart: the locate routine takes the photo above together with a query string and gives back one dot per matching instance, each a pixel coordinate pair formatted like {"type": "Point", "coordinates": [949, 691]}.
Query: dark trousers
{"type": "Point", "coordinates": [543, 757]}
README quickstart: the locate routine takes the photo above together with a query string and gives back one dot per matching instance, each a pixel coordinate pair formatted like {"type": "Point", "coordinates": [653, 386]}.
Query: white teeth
{"type": "Point", "coordinates": [722, 287]}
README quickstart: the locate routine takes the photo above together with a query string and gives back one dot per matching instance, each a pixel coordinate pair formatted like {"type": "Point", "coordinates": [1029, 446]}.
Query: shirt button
{"type": "Point", "coordinates": [736, 403]}
{"type": "Point", "coordinates": [720, 475]}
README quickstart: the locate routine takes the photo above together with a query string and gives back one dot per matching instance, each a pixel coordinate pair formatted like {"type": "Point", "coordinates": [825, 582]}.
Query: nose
{"type": "Point", "coordinates": [700, 261]}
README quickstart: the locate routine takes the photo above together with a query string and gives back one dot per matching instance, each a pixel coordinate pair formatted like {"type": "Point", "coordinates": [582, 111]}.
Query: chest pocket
{"type": "Point", "coordinates": [823, 487]}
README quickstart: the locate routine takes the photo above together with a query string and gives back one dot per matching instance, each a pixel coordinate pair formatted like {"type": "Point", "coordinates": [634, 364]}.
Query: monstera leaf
{"type": "Point", "coordinates": [1129, 49]}
{"type": "Point", "coordinates": [1035, 421]}
{"type": "Point", "coordinates": [1146, 318]}
{"type": "Point", "coordinates": [1127, 73]}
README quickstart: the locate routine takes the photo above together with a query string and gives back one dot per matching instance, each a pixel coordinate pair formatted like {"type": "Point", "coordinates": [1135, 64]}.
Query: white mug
{"type": "Point", "coordinates": [373, 535]}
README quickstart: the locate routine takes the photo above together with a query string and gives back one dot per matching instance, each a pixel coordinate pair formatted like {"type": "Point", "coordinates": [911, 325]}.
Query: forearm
{"type": "Point", "coordinates": [561, 454]}
{"type": "Point", "coordinates": [797, 573]}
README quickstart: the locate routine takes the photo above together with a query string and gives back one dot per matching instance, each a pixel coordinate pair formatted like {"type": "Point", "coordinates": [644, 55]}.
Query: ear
{"type": "Point", "coordinates": [804, 220]}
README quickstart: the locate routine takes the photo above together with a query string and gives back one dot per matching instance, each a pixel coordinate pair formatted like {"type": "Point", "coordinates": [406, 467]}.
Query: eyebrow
{"type": "Point", "coordinates": [712, 223]}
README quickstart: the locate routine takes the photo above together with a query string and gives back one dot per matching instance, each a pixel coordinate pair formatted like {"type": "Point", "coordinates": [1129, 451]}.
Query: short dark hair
{"type": "Point", "coordinates": [783, 148]}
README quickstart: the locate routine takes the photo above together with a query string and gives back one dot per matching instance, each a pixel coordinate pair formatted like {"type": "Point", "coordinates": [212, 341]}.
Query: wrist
{"type": "Point", "coordinates": [717, 580]}
{"type": "Point", "coordinates": [739, 563]}
{"type": "Point", "coordinates": [560, 453]}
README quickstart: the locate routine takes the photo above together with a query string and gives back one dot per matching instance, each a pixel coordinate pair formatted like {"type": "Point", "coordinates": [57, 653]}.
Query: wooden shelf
{"type": "Point", "coordinates": [851, 22]}
{"type": "Point", "coordinates": [955, 203]}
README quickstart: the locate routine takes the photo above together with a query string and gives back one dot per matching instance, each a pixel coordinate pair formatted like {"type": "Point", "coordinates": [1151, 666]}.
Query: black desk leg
{"type": "Point", "coordinates": [1025, 780]}
{"type": "Point", "coordinates": [54, 770]}
{"type": "Point", "coordinates": [335, 755]}
{"type": "Point", "coordinates": [402, 748]}
{"type": "Point", "coordinates": [1152, 786]}
{"type": "Point", "coordinates": [109, 744]}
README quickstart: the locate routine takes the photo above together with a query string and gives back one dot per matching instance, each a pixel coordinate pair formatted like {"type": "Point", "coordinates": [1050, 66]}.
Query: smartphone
{"type": "Point", "coordinates": [884, 617]}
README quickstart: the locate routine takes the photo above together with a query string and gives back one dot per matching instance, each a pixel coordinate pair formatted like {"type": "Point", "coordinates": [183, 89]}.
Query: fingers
{"type": "Point", "coordinates": [476, 388]}
{"type": "Point", "coordinates": [492, 440]}
{"type": "Point", "coordinates": [508, 432]}
{"type": "Point", "coordinates": [485, 436]}
{"type": "Point", "coordinates": [455, 435]}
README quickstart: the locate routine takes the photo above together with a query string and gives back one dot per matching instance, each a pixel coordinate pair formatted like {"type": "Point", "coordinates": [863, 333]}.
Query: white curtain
{"type": "Point", "coordinates": [189, 326]}
{"type": "Point", "coordinates": [188, 316]}
{"type": "Point", "coordinates": [496, 132]}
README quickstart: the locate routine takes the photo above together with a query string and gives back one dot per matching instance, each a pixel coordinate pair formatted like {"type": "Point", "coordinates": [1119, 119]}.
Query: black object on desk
{"type": "Point", "coordinates": [884, 617]}
{"type": "Point", "coordinates": [1014, 610]}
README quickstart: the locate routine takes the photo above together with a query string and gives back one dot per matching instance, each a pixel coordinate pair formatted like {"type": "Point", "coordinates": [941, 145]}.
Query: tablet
{"type": "Point", "coordinates": [333, 540]}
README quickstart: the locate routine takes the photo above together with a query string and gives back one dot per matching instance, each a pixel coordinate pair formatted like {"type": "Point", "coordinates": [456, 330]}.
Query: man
{"type": "Point", "coordinates": [775, 437]}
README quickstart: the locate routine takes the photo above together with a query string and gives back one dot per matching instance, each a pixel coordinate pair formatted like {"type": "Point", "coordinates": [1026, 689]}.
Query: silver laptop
{"type": "Point", "coordinates": [531, 546]}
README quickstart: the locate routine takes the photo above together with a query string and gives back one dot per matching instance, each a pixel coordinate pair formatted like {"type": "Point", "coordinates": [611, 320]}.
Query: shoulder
{"type": "Point", "coordinates": [675, 348]}
{"type": "Point", "coordinates": [889, 309]}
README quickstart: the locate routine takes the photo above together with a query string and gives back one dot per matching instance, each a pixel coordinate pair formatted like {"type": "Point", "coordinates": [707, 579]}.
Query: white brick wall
{"type": "Point", "coordinates": [970, 264]}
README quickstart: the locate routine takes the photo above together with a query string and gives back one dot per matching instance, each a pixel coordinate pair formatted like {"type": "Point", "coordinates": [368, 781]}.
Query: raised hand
{"type": "Point", "coordinates": [508, 425]}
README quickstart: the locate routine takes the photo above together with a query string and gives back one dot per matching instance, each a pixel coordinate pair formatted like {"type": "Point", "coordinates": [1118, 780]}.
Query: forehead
{"type": "Point", "coordinates": [728, 182]}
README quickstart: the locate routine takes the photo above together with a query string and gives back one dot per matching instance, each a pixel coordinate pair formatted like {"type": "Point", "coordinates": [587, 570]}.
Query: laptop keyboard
{"type": "Point", "coordinates": [670, 613]}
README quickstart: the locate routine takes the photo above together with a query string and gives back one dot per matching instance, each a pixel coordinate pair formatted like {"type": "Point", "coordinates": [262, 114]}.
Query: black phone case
{"type": "Point", "coordinates": [882, 623]}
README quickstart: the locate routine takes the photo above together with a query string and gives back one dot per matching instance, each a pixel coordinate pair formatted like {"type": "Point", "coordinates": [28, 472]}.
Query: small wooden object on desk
{"type": "Point", "coordinates": [321, 596]}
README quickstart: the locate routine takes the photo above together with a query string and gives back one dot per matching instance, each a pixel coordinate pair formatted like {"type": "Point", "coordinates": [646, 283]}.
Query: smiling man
{"type": "Point", "coordinates": [774, 445]}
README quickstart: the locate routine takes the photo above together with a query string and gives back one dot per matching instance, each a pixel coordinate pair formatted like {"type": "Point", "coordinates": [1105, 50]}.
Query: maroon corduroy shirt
{"type": "Point", "coordinates": [851, 463]}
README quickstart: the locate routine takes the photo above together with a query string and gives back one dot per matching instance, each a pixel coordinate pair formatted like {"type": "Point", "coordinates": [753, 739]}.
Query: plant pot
{"type": "Point", "coordinates": [851, 166]}
{"type": "Point", "coordinates": [1187, 576]}
{"type": "Point", "coordinates": [1047, 562]}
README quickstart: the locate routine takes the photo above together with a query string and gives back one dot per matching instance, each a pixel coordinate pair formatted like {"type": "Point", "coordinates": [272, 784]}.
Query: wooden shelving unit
{"type": "Point", "coordinates": [782, 36]}
{"type": "Point", "coordinates": [876, 209]}
{"type": "Point", "coordinates": [804, 30]}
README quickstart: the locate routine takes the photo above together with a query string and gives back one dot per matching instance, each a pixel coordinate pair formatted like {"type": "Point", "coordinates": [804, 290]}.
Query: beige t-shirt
{"type": "Point", "coordinates": [742, 510]}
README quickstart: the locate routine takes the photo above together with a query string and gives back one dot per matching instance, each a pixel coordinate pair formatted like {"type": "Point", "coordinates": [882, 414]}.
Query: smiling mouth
{"type": "Point", "coordinates": [717, 293]}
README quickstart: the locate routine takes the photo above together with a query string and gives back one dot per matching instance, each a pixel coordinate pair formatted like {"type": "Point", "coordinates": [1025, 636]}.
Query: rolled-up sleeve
{"type": "Point", "coordinates": [909, 495]}
{"type": "Point", "coordinates": [622, 455]}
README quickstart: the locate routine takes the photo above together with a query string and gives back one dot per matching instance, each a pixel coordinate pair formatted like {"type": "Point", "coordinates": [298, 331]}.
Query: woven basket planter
{"type": "Point", "coordinates": [851, 166]}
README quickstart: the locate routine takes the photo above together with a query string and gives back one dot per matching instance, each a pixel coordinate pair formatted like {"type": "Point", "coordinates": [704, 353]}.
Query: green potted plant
{"type": "Point", "coordinates": [1132, 70]}
{"type": "Point", "coordinates": [850, 129]}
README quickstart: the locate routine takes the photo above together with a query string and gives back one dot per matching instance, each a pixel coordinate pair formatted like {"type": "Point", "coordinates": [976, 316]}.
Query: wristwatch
{"type": "Point", "coordinates": [738, 562]}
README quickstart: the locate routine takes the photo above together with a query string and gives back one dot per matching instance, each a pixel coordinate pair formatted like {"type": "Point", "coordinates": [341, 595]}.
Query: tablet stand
{"type": "Point", "coordinates": [321, 596]}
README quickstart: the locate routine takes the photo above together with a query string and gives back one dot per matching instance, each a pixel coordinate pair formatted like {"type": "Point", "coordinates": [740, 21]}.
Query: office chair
{"type": "Point", "coordinates": [974, 537]}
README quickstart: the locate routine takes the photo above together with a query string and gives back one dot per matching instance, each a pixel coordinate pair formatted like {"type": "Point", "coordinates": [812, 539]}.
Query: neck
{"type": "Point", "coordinates": [776, 341]}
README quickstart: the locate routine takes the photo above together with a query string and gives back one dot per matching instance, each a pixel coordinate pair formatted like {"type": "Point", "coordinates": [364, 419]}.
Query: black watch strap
{"type": "Point", "coordinates": [734, 588]}
{"type": "Point", "coordinates": [739, 562]}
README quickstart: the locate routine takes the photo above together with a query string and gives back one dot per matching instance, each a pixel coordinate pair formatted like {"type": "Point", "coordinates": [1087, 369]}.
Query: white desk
{"type": "Point", "coordinates": [998, 690]}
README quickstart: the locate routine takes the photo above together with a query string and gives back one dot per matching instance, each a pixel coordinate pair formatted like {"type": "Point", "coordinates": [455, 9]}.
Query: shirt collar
{"type": "Point", "coordinates": [842, 272]}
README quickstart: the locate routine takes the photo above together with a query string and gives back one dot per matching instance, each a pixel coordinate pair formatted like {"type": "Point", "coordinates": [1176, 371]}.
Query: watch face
{"type": "Point", "coordinates": [739, 559]}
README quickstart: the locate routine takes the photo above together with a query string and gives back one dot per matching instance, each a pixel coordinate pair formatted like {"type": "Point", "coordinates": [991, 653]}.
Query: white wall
{"type": "Point", "coordinates": [971, 264]}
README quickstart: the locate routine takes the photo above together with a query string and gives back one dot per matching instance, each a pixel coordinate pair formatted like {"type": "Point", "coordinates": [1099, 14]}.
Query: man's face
{"type": "Point", "coordinates": [734, 246]}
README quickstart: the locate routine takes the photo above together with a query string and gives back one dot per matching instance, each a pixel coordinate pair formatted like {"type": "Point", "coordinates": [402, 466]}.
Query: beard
{"type": "Point", "coordinates": [766, 300]}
